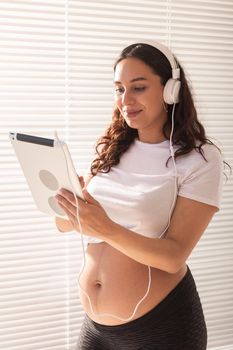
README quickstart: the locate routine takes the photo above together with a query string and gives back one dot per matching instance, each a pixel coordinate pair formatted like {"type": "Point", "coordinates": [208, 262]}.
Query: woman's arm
{"type": "Point", "coordinates": [189, 221]}
{"type": "Point", "coordinates": [64, 225]}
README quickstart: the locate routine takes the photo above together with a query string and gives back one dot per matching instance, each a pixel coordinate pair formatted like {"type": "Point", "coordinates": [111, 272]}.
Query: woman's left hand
{"type": "Point", "coordinates": [93, 218]}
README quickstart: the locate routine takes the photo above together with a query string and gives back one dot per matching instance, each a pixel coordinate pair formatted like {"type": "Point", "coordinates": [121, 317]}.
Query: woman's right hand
{"type": "Point", "coordinates": [65, 225]}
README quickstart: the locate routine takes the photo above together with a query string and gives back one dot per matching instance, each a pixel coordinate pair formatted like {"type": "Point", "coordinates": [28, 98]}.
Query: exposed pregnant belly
{"type": "Point", "coordinates": [115, 284]}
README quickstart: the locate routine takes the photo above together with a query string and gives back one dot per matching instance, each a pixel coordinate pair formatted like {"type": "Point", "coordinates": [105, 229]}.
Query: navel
{"type": "Point", "coordinates": [98, 284]}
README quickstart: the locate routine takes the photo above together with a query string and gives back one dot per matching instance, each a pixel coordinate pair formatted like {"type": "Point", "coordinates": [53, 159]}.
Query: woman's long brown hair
{"type": "Point", "coordinates": [187, 128]}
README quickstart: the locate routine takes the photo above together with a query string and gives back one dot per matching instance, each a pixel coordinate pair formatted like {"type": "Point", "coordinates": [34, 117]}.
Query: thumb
{"type": "Point", "coordinates": [88, 197]}
{"type": "Point", "coordinates": [82, 183]}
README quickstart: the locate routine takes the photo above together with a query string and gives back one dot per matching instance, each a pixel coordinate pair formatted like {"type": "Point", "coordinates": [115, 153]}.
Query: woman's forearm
{"type": "Point", "coordinates": [162, 254]}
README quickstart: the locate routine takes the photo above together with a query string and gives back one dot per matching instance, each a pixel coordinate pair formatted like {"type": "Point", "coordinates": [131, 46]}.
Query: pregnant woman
{"type": "Point", "coordinates": [151, 191]}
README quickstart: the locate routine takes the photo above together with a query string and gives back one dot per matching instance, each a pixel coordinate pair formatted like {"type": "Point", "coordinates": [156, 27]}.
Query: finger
{"type": "Point", "coordinates": [89, 198]}
{"type": "Point", "coordinates": [72, 218]}
{"type": "Point", "coordinates": [81, 179]}
{"type": "Point", "coordinates": [72, 208]}
{"type": "Point", "coordinates": [69, 196]}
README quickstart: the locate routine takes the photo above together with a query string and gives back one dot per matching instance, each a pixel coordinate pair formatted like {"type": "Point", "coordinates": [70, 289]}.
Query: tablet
{"type": "Point", "coordinates": [47, 165]}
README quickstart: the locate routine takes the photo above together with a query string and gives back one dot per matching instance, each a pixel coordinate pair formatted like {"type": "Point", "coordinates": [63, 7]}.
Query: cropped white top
{"type": "Point", "coordinates": [138, 193]}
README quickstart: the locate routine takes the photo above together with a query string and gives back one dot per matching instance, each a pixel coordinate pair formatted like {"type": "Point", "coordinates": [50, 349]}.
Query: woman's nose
{"type": "Point", "coordinates": [127, 98]}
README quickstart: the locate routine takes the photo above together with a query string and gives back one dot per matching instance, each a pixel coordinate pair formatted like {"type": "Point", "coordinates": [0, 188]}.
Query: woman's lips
{"type": "Point", "coordinates": [132, 114]}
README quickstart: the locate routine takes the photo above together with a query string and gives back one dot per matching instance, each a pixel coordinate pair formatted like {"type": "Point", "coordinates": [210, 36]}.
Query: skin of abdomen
{"type": "Point", "coordinates": [115, 284]}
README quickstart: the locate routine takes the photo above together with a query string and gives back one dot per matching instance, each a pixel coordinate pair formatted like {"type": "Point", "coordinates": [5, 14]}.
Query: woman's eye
{"type": "Point", "coordinates": [140, 88]}
{"type": "Point", "coordinates": [119, 91]}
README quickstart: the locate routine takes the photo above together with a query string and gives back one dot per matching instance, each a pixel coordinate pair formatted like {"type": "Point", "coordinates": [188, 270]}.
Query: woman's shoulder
{"type": "Point", "coordinates": [201, 179]}
{"type": "Point", "coordinates": [210, 151]}
{"type": "Point", "coordinates": [203, 160]}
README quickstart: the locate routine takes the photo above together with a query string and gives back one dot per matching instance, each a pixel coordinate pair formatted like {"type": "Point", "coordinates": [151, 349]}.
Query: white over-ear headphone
{"type": "Point", "coordinates": [172, 86]}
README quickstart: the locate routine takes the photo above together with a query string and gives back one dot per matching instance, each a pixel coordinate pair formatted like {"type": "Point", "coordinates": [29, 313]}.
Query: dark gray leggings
{"type": "Point", "coordinates": [176, 323]}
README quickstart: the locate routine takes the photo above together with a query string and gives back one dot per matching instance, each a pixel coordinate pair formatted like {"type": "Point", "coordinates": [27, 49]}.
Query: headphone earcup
{"type": "Point", "coordinates": [171, 91]}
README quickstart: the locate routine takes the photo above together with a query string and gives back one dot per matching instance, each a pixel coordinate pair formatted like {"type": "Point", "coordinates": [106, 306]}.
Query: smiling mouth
{"type": "Point", "coordinates": [132, 114]}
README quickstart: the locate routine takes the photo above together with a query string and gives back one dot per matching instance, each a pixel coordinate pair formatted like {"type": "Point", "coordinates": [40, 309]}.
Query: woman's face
{"type": "Point", "coordinates": [139, 98]}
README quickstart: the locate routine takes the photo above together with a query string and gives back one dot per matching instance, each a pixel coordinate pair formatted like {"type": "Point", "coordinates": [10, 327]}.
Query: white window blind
{"type": "Point", "coordinates": [35, 261]}
{"type": "Point", "coordinates": [56, 61]}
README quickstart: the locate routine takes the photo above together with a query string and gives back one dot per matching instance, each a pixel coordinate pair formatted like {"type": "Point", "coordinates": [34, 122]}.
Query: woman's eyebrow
{"type": "Point", "coordinates": [131, 81]}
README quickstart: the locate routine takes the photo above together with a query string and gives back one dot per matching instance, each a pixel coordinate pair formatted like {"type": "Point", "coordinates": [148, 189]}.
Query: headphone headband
{"type": "Point", "coordinates": [167, 52]}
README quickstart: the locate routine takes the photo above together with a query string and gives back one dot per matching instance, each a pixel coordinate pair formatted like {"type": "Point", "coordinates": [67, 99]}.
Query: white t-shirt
{"type": "Point", "coordinates": [140, 192]}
